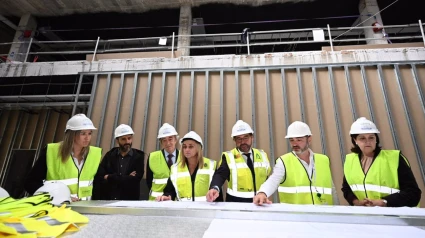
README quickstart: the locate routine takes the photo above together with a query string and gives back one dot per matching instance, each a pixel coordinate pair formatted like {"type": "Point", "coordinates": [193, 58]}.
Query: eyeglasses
{"type": "Point", "coordinates": [242, 139]}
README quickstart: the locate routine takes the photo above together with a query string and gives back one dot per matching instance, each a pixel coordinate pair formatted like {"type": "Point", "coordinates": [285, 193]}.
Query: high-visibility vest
{"type": "Point", "coordinates": [79, 183]}
{"type": "Point", "coordinates": [297, 188]}
{"type": "Point", "coordinates": [9, 206]}
{"type": "Point", "coordinates": [380, 180]}
{"type": "Point", "coordinates": [34, 216]}
{"type": "Point", "coordinates": [241, 183]}
{"type": "Point", "coordinates": [181, 179]}
{"type": "Point", "coordinates": [161, 173]}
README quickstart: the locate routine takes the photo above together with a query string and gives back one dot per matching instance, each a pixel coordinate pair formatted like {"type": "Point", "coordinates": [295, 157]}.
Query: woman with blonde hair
{"type": "Point", "coordinates": [191, 176]}
{"type": "Point", "coordinates": [72, 161]}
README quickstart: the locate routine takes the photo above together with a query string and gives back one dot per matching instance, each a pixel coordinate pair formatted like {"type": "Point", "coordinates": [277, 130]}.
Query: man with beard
{"type": "Point", "coordinates": [301, 176]}
{"type": "Point", "coordinates": [245, 168]}
{"type": "Point", "coordinates": [122, 168]}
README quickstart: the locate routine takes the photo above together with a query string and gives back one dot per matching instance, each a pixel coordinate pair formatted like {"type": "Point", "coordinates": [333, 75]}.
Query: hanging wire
{"type": "Point", "coordinates": [365, 20]}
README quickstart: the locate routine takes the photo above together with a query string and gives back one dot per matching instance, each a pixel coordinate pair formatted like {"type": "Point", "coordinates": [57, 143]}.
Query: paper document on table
{"type": "Point", "coordinates": [282, 229]}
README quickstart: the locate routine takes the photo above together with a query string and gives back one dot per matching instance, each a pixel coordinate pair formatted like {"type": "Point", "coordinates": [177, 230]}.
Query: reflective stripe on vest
{"type": "Point", "coordinates": [380, 180]}
{"type": "Point", "coordinates": [78, 182]}
{"type": "Point", "coordinates": [297, 188]}
{"type": "Point", "coordinates": [178, 173]}
{"type": "Point", "coordinates": [374, 188]}
{"type": "Point", "coordinates": [234, 167]}
{"type": "Point", "coordinates": [161, 173]}
{"type": "Point", "coordinates": [305, 189]}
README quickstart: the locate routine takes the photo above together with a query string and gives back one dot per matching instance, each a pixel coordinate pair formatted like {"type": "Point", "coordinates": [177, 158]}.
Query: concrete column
{"type": "Point", "coordinates": [368, 8]}
{"type": "Point", "coordinates": [185, 28]}
{"type": "Point", "coordinates": [27, 23]}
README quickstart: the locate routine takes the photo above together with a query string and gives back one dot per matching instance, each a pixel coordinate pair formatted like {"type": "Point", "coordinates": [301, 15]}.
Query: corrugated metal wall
{"type": "Point", "coordinates": [210, 101]}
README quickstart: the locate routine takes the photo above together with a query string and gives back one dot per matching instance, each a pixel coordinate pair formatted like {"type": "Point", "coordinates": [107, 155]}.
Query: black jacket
{"type": "Point", "coordinates": [38, 173]}
{"type": "Point", "coordinates": [116, 186]}
{"type": "Point", "coordinates": [409, 194]}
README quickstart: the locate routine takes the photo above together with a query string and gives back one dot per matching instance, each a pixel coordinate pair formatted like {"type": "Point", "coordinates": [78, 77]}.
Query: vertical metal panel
{"type": "Point", "coordinates": [25, 129]}
{"type": "Point", "coordinates": [102, 117]}
{"type": "Point", "coordinates": [117, 111]}
{"type": "Point", "coordinates": [10, 148]}
{"type": "Point", "coordinates": [350, 92]}
{"type": "Point", "coordinates": [221, 109]}
{"type": "Point", "coordinates": [35, 128]}
{"type": "Point", "coordinates": [192, 83]}
{"type": "Point", "coordinates": [319, 112]}
{"type": "Point", "coordinates": [161, 105]}
{"type": "Point", "coordinates": [43, 132]}
{"type": "Point", "coordinates": [5, 127]}
{"type": "Point", "coordinates": [92, 96]}
{"type": "Point", "coordinates": [285, 103]}
{"type": "Point", "coordinates": [418, 87]}
{"type": "Point", "coordinates": [176, 102]}
{"type": "Point", "coordinates": [133, 99]}
{"type": "Point", "coordinates": [409, 122]}
{"type": "Point", "coordinates": [145, 118]}
{"type": "Point", "coordinates": [206, 108]}
{"type": "Point", "coordinates": [366, 89]}
{"type": "Point", "coordinates": [77, 94]}
{"type": "Point", "coordinates": [56, 125]}
{"type": "Point", "coordinates": [251, 74]}
{"type": "Point", "coordinates": [300, 93]}
{"type": "Point", "coordinates": [237, 93]}
{"type": "Point", "coordinates": [387, 107]}
{"type": "Point", "coordinates": [269, 112]}
{"type": "Point", "coordinates": [336, 113]}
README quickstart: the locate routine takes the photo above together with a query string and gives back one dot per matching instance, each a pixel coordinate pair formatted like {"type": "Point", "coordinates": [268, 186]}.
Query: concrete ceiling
{"type": "Point", "coordinates": [18, 8]}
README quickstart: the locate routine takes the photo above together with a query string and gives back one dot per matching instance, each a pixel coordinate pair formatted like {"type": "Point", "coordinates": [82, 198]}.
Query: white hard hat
{"type": "Point", "coordinates": [363, 126]}
{"type": "Point", "coordinates": [123, 130]}
{"type": "Point", "coordinates": [79, 122]}
{"type": "Point", "coordinates": [58, 191]}
{"type": "Point", "coordinates": [166, 130]}
{"type": "Point", "coordinates": [3, 193]}
{"type": "Point", "coordinates": [298, 129]}
{"type": "Point", "coordinates": [241, 128]}
{"type": "Point", "coordinates": [193, 136]}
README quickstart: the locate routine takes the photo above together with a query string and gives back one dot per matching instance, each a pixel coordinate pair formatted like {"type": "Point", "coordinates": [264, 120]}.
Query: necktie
{"type": "Point", "coordinates": [170, 161]}
{"type": "Point", "coordinates": [251, 167]}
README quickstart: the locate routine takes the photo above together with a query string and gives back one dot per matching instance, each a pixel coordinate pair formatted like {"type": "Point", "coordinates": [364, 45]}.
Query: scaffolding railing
{"type": "Point", "coordinates": [255, 38]}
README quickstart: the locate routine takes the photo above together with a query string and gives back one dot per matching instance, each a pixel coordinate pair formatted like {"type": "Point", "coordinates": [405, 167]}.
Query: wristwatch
{"type": "Point", "coordinates": [385, 201]}
{"type": "Point", "coordinates": [216, 188]}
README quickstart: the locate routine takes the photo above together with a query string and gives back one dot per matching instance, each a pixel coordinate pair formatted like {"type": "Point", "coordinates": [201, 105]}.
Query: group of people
{"type": "Point", "coordinates": [372, 176]}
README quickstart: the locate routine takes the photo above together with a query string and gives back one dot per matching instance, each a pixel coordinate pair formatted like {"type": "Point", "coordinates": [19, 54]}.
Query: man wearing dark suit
{"type": "Point", "coordinates": [122, 168]}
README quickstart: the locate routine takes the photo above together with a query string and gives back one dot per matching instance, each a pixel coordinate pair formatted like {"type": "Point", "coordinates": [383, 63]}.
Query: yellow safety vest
{"type": "Point", "coordinates": [36, 217]}
{"type": "Point", "coordinates": [297, 188]}
{"type": "Point", "coordinates": [79, 183]}
{"type": "Point", "coordinates": [241, 183]}
{"type": "Point", "coordinates": [380, 180]}
{"type": "Point", "coordinates": [181, 179]}
{"type": "Point", "coordinates": [161, 173]}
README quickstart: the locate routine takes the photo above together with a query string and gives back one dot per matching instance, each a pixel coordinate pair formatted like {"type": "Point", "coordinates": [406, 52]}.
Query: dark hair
{"type": "Point", "coordinates": [356, 148]}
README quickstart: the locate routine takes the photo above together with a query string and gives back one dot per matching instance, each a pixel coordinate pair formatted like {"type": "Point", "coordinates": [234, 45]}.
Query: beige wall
{"type": "Point", "coordinates": [334, 112]}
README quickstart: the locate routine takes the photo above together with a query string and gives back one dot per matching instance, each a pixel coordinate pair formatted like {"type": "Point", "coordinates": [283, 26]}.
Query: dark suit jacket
{"type": "Point", "coordinates": [116, 186]}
